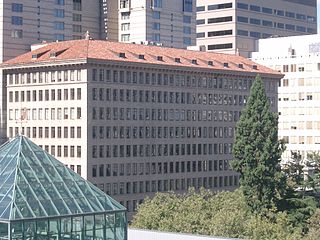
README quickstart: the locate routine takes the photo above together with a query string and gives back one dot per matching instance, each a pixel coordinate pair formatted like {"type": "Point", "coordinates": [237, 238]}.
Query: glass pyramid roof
{"type": "Point", "coordinates": [33, 184]}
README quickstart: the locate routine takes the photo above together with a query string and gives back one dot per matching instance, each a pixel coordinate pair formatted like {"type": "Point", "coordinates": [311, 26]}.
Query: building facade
{"type": "Point", "coordinates": [299, 91]}
{"type": "Point", "coordinates": [134, 120]}
{"type": "Point", "coordinates": [171, 23]}
{"type": "Point", "coordinates": [23, 23]}
{"type": "Point", "coordinates": [234, 26]}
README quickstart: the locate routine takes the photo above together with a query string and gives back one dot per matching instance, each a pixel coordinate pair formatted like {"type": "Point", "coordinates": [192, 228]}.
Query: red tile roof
{"type": "Point", "coordinates": [107, 50]}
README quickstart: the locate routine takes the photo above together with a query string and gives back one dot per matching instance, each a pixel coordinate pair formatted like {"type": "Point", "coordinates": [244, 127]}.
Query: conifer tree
{"type": "Point", "coordinates": [257, 151]}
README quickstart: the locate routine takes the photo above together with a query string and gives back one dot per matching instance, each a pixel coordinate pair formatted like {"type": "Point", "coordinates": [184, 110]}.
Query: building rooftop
{"type": "Point", "coordinates": [85, 50]}
{"type": "Point", "coordinates": [33, 184]}
{"type": "Point", "coordinates": [139, 234]}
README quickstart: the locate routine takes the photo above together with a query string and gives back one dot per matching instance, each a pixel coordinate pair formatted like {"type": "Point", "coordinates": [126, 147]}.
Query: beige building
{"type": "Point", "coordinates": [170, 23]}
{"type": "Point", "coordinates": [134, 119]}
{"type": "Point", "coordinates": [23, 23]}
{"type": "Point", "coordinates": [299, 92]}
{"type": "Point", "coordinates": [233, 26]}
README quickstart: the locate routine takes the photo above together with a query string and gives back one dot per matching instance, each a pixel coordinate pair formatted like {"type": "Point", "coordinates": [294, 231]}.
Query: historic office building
{"type": "Point", "coordinates": [233, 26]}
{"type": "Point", "coordinates": [134, 119]}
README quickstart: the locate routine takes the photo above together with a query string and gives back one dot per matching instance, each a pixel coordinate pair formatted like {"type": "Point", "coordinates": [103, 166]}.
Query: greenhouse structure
{"type": "Point", "coordinates": [40, 198]}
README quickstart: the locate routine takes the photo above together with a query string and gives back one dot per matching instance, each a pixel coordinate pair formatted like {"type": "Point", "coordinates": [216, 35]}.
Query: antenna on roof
{"type": "Point", "coordinates": [87, 36]}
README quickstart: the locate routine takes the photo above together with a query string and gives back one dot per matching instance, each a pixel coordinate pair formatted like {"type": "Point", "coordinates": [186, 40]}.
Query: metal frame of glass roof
{"type": "Point", "coordinates": [35, 187]}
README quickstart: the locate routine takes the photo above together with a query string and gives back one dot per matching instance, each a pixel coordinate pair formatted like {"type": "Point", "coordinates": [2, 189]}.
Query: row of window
{"type": "Point", "coordinates": [164, 114]}
{"type": "Point", "coordinates": [44, 77]}
{"type": "Point", "coordinates": [156, 150]}
{"type": "Point", "coordinates": [147, 96]}
{"type": "Point", "coordinates": [47, 132]}
{"type": "Point", "coordinates": [45, 95]}
{"type": "Point", "coordinates": [267, 23]}
{"type": "Point", "coordinates": [301, 140]}
{"type": "Point", "coordinates": [277, 12]}
{"type": "Point", "coordinates": [214, 7]}
{"type": "Point", "coordinates": [214, 20]}
{"type": "Point", "coordinates": [253, 21]}
{"type": "Point", "coordinates": [215, 33]}
{"type": "Point", "coordinates": [71, 113]}
{"type": "Point", "coordinates": [146, 78]}
{"type": "Point", "coordinates": [168, 167]}
{"type": "Point", "coordinates": [143, 132]}
{"type": "Point", "coordinates": [220, 46]}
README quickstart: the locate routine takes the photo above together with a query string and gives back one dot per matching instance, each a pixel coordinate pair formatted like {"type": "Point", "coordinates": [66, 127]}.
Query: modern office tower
{"type": "Point", "coordinates": [232, 26]}
{"type": "Point", "coordinates": [299, 92]}
{"type": "Point", "coordinates": [134, 119]}
{"type": "Point", "coordinates": [168, 22]}
{"type": "Point", "coordinates": [23, 23]}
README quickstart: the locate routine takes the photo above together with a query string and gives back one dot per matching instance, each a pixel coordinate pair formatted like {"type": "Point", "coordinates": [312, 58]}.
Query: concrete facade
{"type": "Point", "coordinates": [132, 123]}
{"type": "Point", "coordinates": [233, 26]}
{"type": "Point", "coordinates": [299, 91]}
{"type": "Point", "coordinates": [167, 22]}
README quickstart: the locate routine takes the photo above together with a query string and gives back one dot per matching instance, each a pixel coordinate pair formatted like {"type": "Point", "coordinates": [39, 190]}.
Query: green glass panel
{"type": "Point", "coordinates": [16, 231]}
{"type": "Point", "coordinates": [110, 220]}
{"type": "Point", "coordinates": [83, 204]}
{"type": "Point", "coordinates": [59, 204]}
{"type": "Point", "coordinates": [30, 229]}
{"type": "Point", "coordinates": [35, 184]}
{"type": "Point", "coordinates": [120, 225]}
{"type": "Point", "coordinates": [4, 231]}
{"type": "Point", "coordinates": [49, 207]}
{"type": "Point", "coordinates": [54, 229]}
{"type": "Point", "coordinates": [88, 226]}
{"type": "Point", "coordinates": [42, 229]}
{"type": "Point", "coordinates": [66, 228]}
{"type": "Point", "coordinates": [99, 226]}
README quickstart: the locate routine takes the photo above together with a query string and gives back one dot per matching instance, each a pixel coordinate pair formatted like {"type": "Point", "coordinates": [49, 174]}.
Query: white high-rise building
{"type": "Point", "coordinates": [298, 58]}
{"type": "Point", "coordinates": [232, 26]}
{"type": "Point", "coordinates": [171, 23]}
{"type": "Point", "coordinates": [23, 23]}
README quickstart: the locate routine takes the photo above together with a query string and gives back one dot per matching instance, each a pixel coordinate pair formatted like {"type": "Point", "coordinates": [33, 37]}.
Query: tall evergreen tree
{"type": "Point", "coordinates": [257, 151]}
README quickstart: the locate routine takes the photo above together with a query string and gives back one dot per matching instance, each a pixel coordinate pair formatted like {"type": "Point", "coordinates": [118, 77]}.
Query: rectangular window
{"type": "Point", "coordinates": [58, 13]}
{"type": "Point", "coordinates": [243, 19]}
{"type": "Point", "coordinates": [155, 15]}
{"type": "Point", "coordinates": [17, 7]}
{"type": "Point", "coordinates": [219, 33]}
{"type": "Point", "coordinates": [220, 46]}
{"type": "Point", "coordinates": [156, 26]}
{"type": "Point", "coordinates": [16, 33]}
{"type": "Point", "coordinates": [255, 21]}
{"type": "Point", "coordinates": [15, 20]}
{"type": "Point", "coordinates": [156, 3]}
{"type": "Point", "coordinates": [219, 6]}
{"type": "Point", "coordinates": [59, 2]}
{"type": "Point", "coordinates": [242, 6]}
{"type": "Point", "coordinates": [187, 19]}
{"type": "Point", "coordinates": [267, 10]}
{"type": "Point", "coordinates": [255, 8]}
{"type": "Point", "coordinates": [58, 25]}
{"type": "Point", "coordinates": [187, 5]}
{"type": "Point", "coordinates": [220, 19]}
